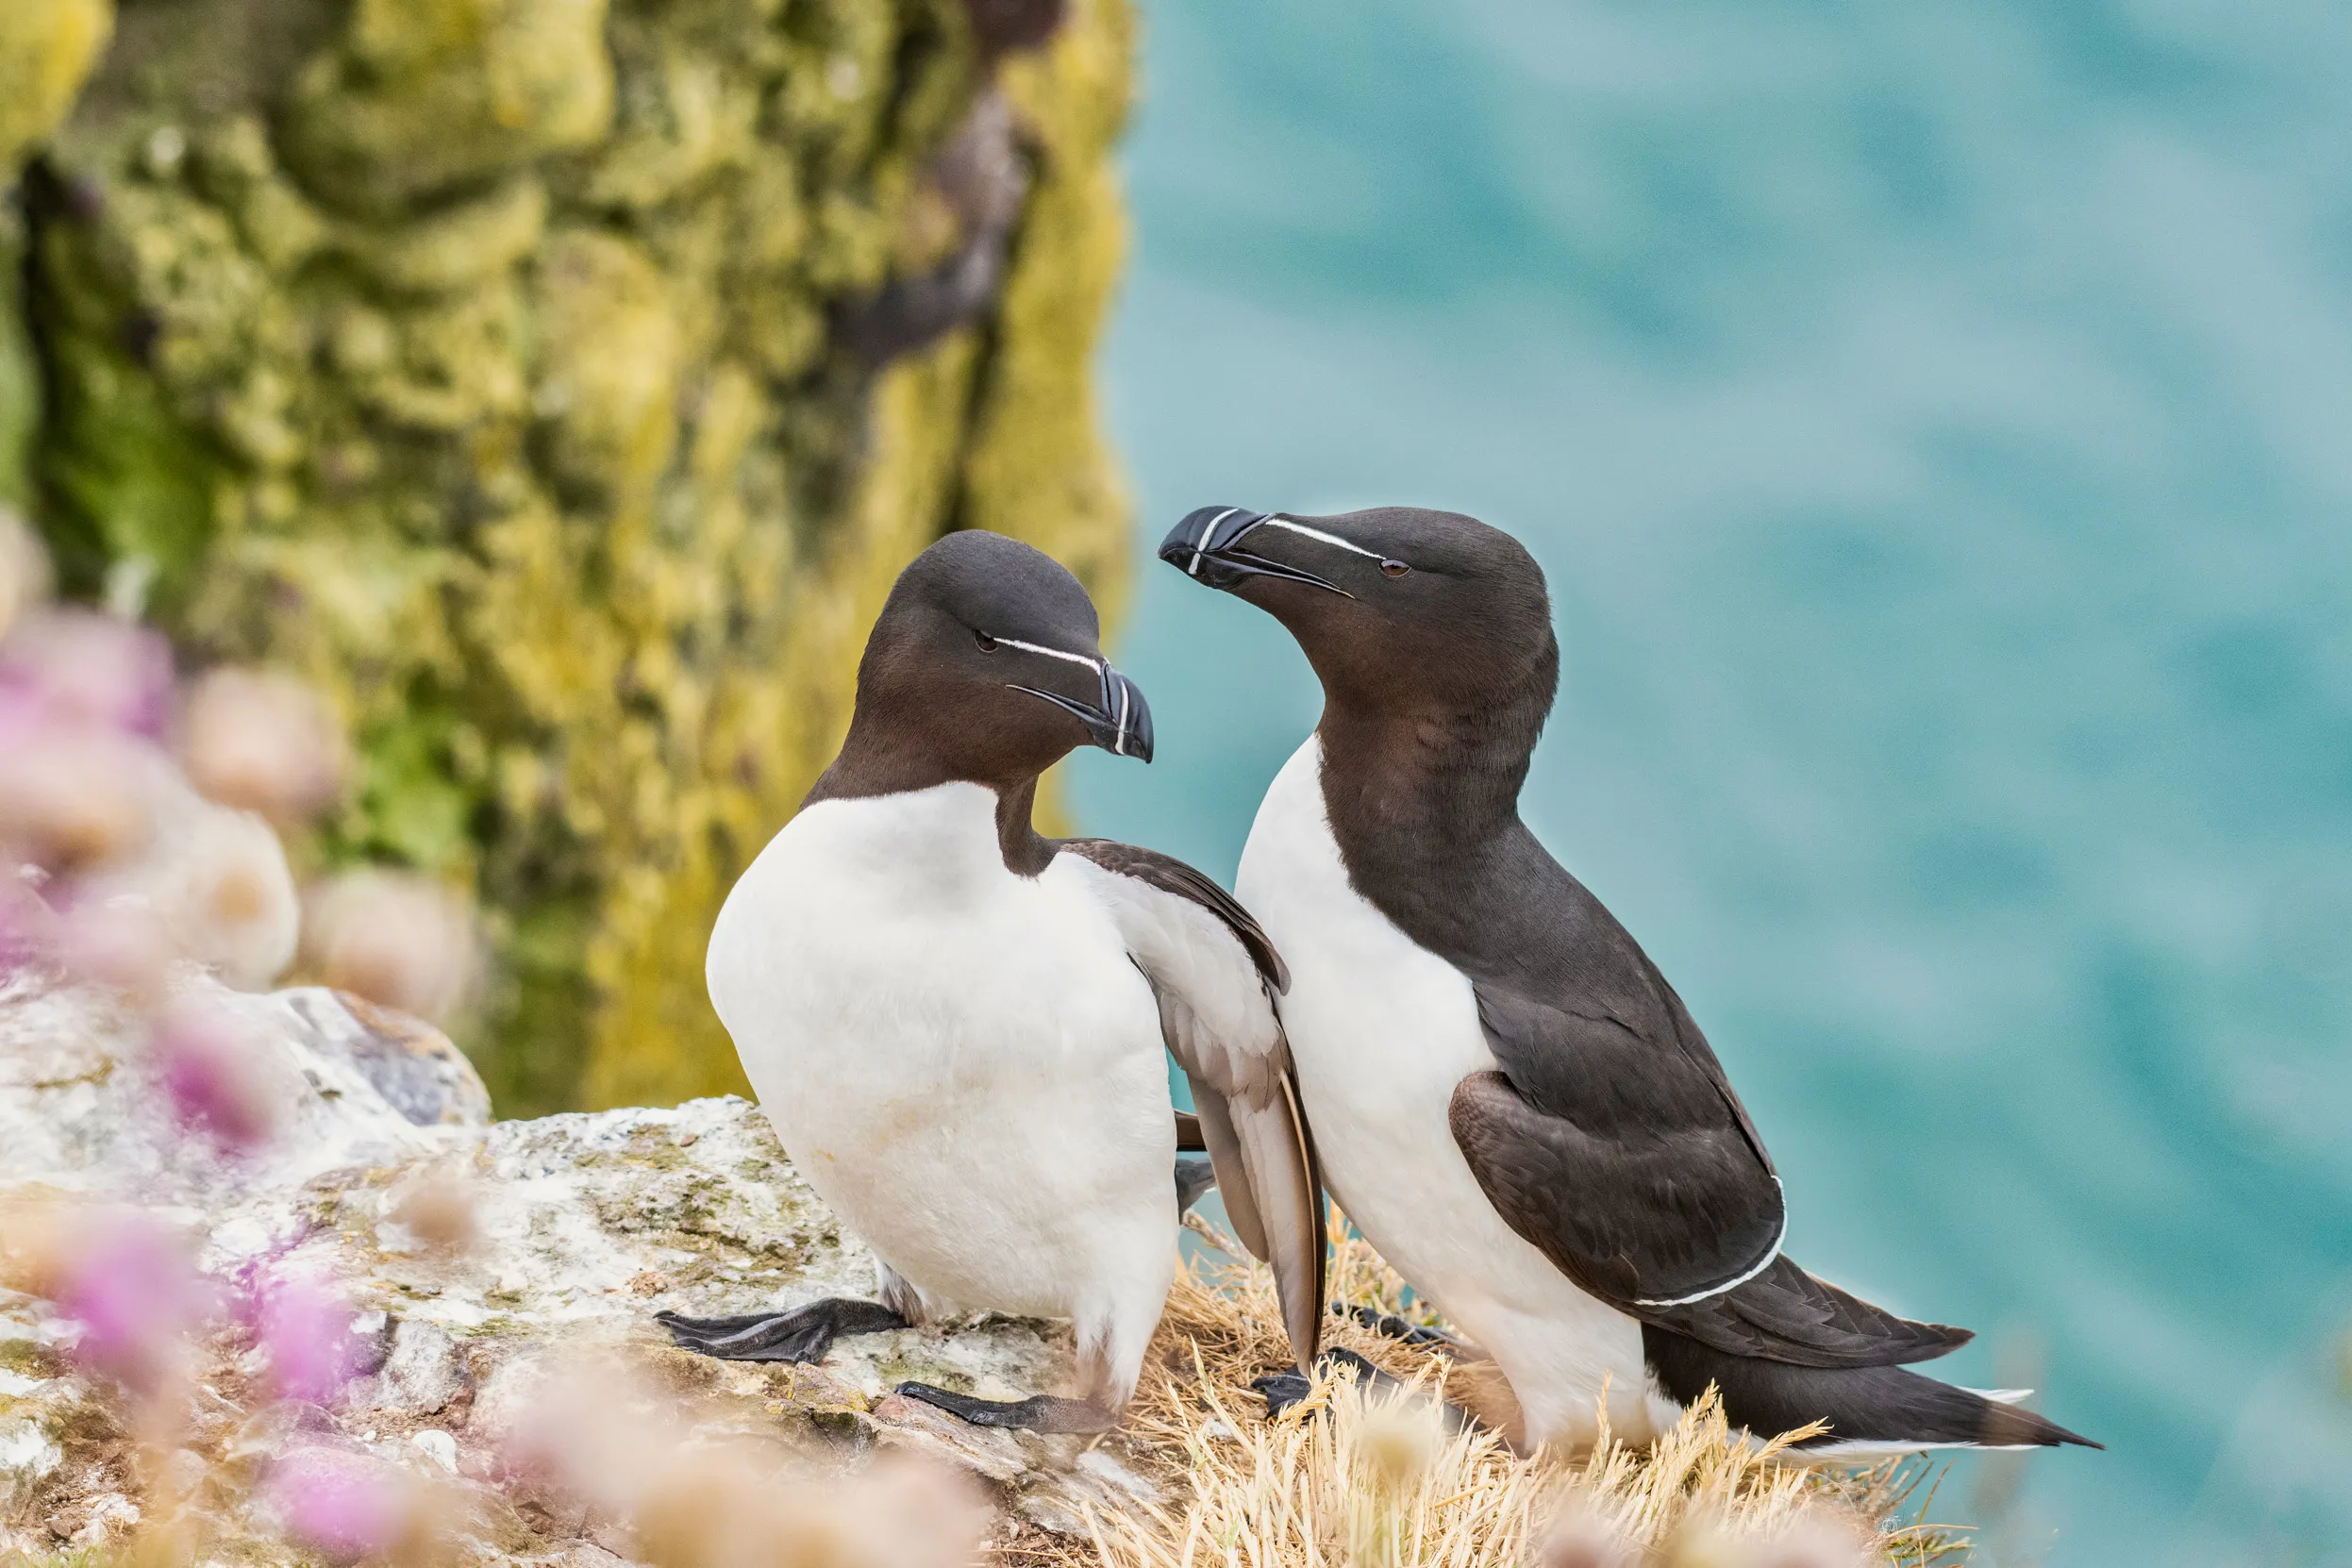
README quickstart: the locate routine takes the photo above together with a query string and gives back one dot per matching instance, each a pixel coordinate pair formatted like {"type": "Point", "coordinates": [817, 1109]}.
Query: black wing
{"type": "Point", "coordinates": [1620, 1152]}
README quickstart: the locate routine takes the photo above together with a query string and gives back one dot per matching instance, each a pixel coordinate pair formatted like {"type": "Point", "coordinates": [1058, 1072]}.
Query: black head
{"type": "Point", "coordinates": [1391, 605]}
{"type": "Point", "coordinates": [984, 666]}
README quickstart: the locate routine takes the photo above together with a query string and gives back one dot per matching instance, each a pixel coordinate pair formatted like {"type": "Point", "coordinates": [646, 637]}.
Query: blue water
{"type": "Point", "coordinates": [1936, 422]}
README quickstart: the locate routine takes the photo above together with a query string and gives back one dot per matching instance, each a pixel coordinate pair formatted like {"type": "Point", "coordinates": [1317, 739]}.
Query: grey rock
{"type": "Point", "coordinates": [423, 1374]}
{"type": "Point", "coordinates": [583, 1227]}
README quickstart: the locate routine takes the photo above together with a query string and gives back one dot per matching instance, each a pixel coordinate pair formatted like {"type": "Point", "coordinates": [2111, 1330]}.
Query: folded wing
{"type": "Point", "coordinates": [1215, 977]}
{"type": "Point", "coordinates": [1610, 1140]}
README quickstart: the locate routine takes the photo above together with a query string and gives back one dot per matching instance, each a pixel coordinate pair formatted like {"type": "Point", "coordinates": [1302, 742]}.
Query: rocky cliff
{"type": "Point", "coordinates": [473, 1282]}
{"type": "Point", "coordinates": [558, 385]}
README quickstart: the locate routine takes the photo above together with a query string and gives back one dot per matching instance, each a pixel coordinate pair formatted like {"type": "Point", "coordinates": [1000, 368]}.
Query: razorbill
{"type": "Point", "coordinates": [957, 1025]}
{"type": "Point", "coordinates": [1508, 1098]}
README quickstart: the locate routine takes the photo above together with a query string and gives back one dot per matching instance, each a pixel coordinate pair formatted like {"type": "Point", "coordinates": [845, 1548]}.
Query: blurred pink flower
{"type": "Point", "coordinates": [128, 1282]}
{"type": "Point", "coordinates": [77, 667]}
{"type": "Point", "coordinates": [213, 1078]}
{"type": "Point", "coordinates": [305, 1326]}
{"type": "Point", "coordinates": [122, 945]}
{"type": "Point", "coordinates": [27, 925]}
{"type": "Point", "coordinates": [344, 1506]}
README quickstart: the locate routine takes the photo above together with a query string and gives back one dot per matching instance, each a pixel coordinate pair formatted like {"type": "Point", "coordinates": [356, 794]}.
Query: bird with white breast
{"type": "Point", "coordinates": [1508, 1098]}
{"type": "Point", "coordinates": [959, 1028]}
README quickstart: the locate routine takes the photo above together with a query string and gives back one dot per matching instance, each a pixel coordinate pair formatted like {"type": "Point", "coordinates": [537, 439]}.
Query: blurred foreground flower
{"type": "Point", "coordinates": [438, 1208]}
{"type": "Point", "coordinates": [305, 1324]}
{"type": "Point", "coordinates": [1804, 1539]}
{"type": "Point", "coordinates": [348, 1506]}
{"type": "Point", "coordinates": [628, 1449]}
{"type": "Point", "coordinates": [72, 668]}
{"type": "Point", "coordinates": [215, 1075]}
{"type": "Point", "coordinates": [263, 742]}
{"type": "Point", "coordinates": [745, 1506]}
{"type": "Point", "coordinates": [130, 1284]}
{"type": "Point", "coordinates": [396, 938]}
{"type": "Point", "coordinates": [71, 798]}
{"type": "Point", "coordinates": [1579, 1537]}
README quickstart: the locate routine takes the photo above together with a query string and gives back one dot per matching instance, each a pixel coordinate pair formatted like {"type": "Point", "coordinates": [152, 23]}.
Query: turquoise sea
{"type": "Point", "coordinates": [1936, 422]}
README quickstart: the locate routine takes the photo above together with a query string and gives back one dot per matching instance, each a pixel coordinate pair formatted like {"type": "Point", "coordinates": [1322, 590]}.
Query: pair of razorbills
{"type": "Point", "coordinates": [958, 1025]}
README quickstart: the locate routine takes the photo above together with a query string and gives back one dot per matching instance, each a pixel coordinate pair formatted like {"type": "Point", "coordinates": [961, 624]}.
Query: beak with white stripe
{"type": "Point", "coordinates": [1118, 720]}
{"type": "Point", "coordinates": [1225, 546]}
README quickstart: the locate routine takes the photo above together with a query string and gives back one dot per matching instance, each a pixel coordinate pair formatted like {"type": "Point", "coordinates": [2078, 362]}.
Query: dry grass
{"type": "Point", "coordinates": [1370, 1479]}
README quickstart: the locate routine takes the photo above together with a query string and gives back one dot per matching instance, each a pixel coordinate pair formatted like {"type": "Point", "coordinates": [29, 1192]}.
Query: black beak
{"type": "Point", "coordinates": [1122, 725]}
{"type": "Point", "coordinates": [1207, 545]}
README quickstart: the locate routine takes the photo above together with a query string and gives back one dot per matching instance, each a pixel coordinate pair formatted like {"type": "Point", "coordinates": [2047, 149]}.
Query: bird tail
{"type": "Point", "coordinates": [1871, 1412]}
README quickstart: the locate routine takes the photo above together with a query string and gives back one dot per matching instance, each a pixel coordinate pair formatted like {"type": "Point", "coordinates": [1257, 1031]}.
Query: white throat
{"type": "Point", "coordinates": [936, 846]}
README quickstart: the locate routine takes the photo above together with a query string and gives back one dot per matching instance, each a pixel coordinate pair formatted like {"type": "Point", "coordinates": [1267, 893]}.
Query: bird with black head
{"type": "Point", "coordinates": [1509, 1099]}
{"type": "Point", "coordinates": [958, 1025]}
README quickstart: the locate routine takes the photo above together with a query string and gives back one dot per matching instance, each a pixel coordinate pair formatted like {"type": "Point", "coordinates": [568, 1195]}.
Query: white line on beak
{"type": "Point", "coordinates": [1202, 545]}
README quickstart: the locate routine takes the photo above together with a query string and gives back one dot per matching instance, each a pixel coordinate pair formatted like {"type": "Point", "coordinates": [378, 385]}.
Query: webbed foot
{"type": "Point", "coordinates": [1390, 1326]}
{"type": "Point", "coordinates": [1283, 1389]}
{"type": "Point", "coordinates": [802, 1334]}
{"type": "Point", "coordinates": [1040, 1412]}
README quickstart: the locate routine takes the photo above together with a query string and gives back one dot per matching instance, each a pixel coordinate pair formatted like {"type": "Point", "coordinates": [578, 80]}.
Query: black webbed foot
{"type": "Point", "coordinates": [1193, 1177]}
{"type": "Point", "coordinates": [802, 1334]}
{"type": "Point", "coordinates": [1040, 1412]}
{"type": "Point", "coordinates": [1388, 1326]}
{"type": "Point", "coordinates": [1283, 1389]}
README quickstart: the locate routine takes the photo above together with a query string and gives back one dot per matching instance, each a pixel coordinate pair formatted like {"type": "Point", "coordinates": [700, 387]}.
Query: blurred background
{"type": "Point", "coordinates": [1936, 424]}
{"type": "Point", "coordinates": [476, 435]}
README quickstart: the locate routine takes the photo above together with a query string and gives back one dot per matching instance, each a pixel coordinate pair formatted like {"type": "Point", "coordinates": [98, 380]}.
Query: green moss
{"type": "Point", "coordinates": [471, 359]}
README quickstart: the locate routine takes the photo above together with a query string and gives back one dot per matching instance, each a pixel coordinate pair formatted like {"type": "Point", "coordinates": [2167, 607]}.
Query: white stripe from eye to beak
{"type": "Point", "coordinates": [1102, 673]}
{"type": "Point", "coordinates": [1201, 543]}
{"type": "Point", "coordinates": [1094, 664]}
{"type": "Point", "coordinates": [1272, 521]}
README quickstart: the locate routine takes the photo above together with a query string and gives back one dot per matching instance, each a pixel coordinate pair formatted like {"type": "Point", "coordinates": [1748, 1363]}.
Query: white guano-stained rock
{"type": "Point", "coordinates": [584, 1226]}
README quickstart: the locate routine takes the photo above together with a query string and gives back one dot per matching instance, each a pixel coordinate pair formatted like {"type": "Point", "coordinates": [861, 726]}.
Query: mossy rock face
{"type": "Point", "coordinates": [491, 364]}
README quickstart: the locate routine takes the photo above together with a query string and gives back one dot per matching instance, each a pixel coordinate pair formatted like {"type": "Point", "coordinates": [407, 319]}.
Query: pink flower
{"type": "Point", "coordinates": [305, 1326]}
{"type": "Point", "coordinates": [345, 1506]}
{"type": "Point", "coordinates": [129, 1283]}
{"type": "Point", "coordinates": [77, 667]}
{"type": "Point", "coordinates": [214, 1078]}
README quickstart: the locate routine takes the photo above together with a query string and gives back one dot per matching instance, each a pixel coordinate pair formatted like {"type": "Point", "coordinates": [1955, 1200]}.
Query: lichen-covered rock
{"type": "Point", "coordinates": [558, 385]}
{"type": "Point", "coordinates": [582, 1226]}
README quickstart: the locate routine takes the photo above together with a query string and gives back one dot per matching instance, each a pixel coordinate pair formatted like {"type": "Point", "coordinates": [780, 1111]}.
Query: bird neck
{"type": "Point", "coordinates": [878, 761]}
{"type": "Point", "coordinates": [1425, 783]}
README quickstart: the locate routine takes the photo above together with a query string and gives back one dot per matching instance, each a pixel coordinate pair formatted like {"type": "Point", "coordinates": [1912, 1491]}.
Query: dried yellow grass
{"type": "Point", "coordinates": [1368, 1478]}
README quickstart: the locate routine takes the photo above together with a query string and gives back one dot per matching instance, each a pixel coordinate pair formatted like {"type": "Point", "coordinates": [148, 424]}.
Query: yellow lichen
{"type": "Point", "coordinates": [491, 388]}
{"type": "Point", "coordinates": [46, 48]}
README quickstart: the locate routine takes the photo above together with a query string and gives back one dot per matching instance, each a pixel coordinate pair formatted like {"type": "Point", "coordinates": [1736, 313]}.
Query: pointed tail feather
{"type": "Point", "coordinates": [1870, 1409]}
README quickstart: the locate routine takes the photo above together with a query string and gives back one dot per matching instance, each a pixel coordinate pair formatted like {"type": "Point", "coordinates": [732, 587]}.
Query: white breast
{"type": "Point", "coordinates": [1381, 1031]}
{"type": "Point", "coordinates": [961, 1061]}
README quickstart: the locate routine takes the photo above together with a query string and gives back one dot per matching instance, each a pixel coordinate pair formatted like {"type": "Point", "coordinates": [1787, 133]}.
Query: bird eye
{"type": "Point", "coordinates": [988, 643]}
{"type": "Point", "coordinates": [1394, 568]}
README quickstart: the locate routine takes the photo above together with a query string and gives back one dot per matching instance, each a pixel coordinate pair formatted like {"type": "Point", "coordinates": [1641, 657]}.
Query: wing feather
{"type": "Point", "coordinates": [1215, 976]}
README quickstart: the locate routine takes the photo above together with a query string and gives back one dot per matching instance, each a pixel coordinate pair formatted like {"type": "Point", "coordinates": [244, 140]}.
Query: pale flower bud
{"type": "Point", "coordinates": [396, 938]}
{"type": "Point", "coordinates": [1578, 1537]}
{"type": "Point", "coordinates": [263, 742]}
{"type": "Point", "coordinates": [73, 798]}
{"type": "Point", "coordinates": [438, 1209]}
